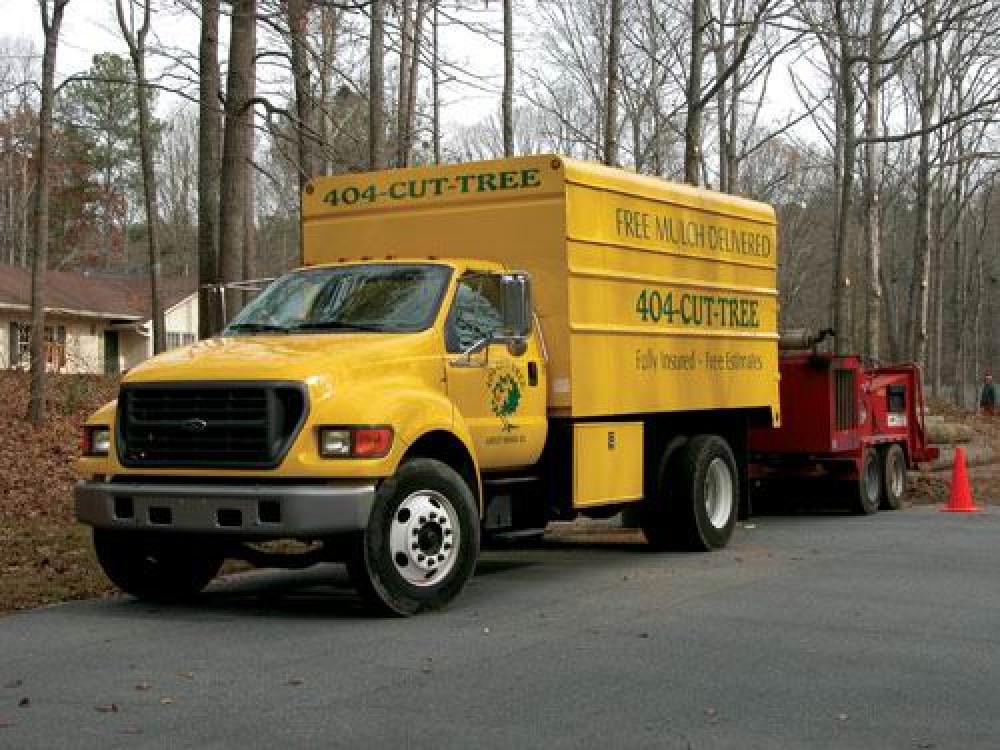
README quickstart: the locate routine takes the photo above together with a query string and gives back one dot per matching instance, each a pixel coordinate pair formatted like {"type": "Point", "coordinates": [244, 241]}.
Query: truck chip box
{"type": "Point", "coordinates": [475, 347]}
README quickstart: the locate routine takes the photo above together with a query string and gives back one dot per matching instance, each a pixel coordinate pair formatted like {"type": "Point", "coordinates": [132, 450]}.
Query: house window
{"type": "Point", "coordinates": [177, 339]}
{"type": "Point", "coordinates": [20, 346]}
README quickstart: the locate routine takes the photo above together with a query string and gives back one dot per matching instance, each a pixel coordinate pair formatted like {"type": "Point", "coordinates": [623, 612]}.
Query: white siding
{"type": "Point", "coordinates": [133, 348]}
{"type": "Point", "coordinates": [182, 321]}
{"type": "Point", "coordinates": [84, 346]}
{"type": "Point", "coordinates": [5, 341]}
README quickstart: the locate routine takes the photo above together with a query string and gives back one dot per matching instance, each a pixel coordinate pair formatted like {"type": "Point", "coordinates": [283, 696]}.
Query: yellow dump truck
{"type": "Point", "coordinates": [468, 349]}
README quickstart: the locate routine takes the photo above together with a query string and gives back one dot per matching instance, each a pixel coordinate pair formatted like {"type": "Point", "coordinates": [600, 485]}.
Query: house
{"type": "Point", "coordinates": [94, 323]}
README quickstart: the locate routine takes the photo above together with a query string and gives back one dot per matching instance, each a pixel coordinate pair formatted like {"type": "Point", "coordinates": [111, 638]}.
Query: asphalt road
{"type": "Point", "coordinates": [807, 632]}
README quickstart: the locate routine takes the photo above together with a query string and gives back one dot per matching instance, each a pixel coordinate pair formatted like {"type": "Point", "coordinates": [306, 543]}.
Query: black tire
{"type": "Point", "coordinates": [401, 580]}
{"type": "Point", "coordinates": [866, 491]}
{"type": "Point", "coordinates": [893, 477]}
{"type": "Point", "coordinates": [156, 567]}
{"type": "Point", "coordinates": [700, 492]}
{"type": "Point", "coordinates": [655, 517]}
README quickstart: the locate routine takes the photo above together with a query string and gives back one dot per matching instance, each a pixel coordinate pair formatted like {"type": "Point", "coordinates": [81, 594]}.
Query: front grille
{"type": "Point", "coordinates": [239, 425]}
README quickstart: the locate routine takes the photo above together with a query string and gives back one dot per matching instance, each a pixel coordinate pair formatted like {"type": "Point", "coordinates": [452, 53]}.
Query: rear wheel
{"type": "Point", "coordinates": [893, 477]}
{"type": "Point", "coordinates": [698, 496]}
{"type": "Point", "coordinates": [156, 567]}
{"type": "Point", "coordinates": [422, 540]}
{"type": "Point", "coordinates": [866, 491]}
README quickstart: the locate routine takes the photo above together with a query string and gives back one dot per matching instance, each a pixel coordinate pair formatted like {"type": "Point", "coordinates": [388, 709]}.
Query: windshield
{"type": "Point", "coordinates": [396, 298]}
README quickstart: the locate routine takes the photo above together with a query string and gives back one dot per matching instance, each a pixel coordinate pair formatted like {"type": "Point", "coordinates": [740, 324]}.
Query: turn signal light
{"type": "Point", "coordinates": [355, 442]}
{"type": "Point", "coordinates": [95, 440]}
{"type": "Point", "coordinates": [373, 442]}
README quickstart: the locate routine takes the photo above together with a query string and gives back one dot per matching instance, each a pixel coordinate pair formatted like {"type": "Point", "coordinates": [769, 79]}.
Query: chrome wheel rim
{"type": "Point", "coordinates": [424, 538]}
{"type": "Point", "coordinates": [718, 493]}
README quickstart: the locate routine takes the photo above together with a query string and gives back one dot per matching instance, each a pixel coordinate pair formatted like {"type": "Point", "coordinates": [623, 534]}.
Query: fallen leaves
{"type": "Point", "coordinates": [44, 555]}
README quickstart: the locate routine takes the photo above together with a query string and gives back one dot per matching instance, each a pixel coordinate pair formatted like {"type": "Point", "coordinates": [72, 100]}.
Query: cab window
{"type": "Point", "coordinates": [476, 313]}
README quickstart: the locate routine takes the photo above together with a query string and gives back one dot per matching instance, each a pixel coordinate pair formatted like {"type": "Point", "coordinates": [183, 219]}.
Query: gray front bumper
{"type": "Point", "coordinates": [258, 510]}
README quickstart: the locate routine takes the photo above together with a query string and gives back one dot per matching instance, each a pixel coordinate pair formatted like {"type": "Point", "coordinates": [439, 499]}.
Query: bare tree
{"type": "Point", "coordinates": [51, 23]}
{"type": "Point", "coordinates": [436, 84]}
{"type": "Point", "coordinates": [508, 77]}
{"type": "Point", "coordinates": [235, 149]}
{"type": "Point", "coordinates": [376, 86]}
{"type": "Point", "coordinates": [692, 125]}
{"type": "Point", "coordinates": [872, 181]}
{"type": "Point", "coordinates": [304, 106]}
{"type": "Point", "coordinates": [611, 98]}
{"type": "Point", "coordinates": [135, 34]}
{"type": "Point", "coordinates": [209, 308]}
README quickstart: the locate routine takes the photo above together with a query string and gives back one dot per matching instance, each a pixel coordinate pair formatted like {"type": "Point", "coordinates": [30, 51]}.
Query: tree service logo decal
{"type": "Point", "coordinates": [505, 384]}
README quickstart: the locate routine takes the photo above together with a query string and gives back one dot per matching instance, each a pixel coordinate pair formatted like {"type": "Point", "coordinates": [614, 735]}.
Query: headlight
{"type": "Point", "coordinates": [96, 440]}
{"type": "Point", "coordinates": [355, 442]}
{"type": "Point", "coordinates": [334, 443]}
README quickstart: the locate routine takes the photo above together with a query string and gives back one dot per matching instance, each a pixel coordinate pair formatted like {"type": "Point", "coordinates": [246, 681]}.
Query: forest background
{"type": "Point", "coordinates": [871, 126]}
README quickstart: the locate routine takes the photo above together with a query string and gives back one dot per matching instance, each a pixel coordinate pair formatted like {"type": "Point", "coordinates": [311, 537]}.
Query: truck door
{"type": "Point", "coordinates": [499, 390]}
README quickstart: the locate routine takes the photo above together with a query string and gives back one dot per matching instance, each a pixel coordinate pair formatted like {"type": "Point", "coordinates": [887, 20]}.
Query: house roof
{"type": "Point", "coordinates": [95, 295]}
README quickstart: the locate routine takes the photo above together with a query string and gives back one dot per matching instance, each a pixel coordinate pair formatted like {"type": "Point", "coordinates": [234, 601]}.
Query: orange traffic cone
{"type": "Point", "coordinates": [960, 496]}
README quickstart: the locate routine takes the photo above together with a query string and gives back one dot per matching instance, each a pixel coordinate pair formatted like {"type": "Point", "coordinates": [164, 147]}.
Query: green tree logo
{"type": "Point", "coordinates": [505, 384]}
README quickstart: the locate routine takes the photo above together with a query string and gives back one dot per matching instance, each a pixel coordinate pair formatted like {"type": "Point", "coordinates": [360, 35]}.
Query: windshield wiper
{"type": "Point", "coordinates": [257, 327]}
{"type": "Point", "coordinates": [336, 325]}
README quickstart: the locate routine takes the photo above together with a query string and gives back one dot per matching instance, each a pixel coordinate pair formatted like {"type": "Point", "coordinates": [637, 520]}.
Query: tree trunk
{"type": "Point", "coordinates": [655, 64]}
{"type": "Point", "coordinates": [402, 97]}
{"type": "Point", "coordinates": [135, 39]}
{"type": "Point", "coordinates": [692, 124]}
{"type": "Point", "coordinates": [508, 76]}
{"type": "Point", "coordinates": [847, 140]}
{"type": "Point", "coordinates": [411, 81]}
{"type": "Point", "coordinates": [39, 261]}
{"type": "Point", "coordinates": [376, 86]}
{"type": "Point", "coordinates": [436, 88]}
{"type": "Point", "coordinates": [873, 185]}
{"type": "Point", "coordinates": [250, 210]}
{"type": "Point", "coordinates": [614, 70]}
{"type": "Point", "coordinates": [842, 323]}
{"type": "Point", "coordinates": [920, 297]}
{"type": "Point", "coordinates": [235, 151]}
{"type": "Point", "coordinates": [297, 25]}
{"type": "Point", "coordinates": [937, 291]}
{"type": "Point", "coordinates": [330, 20]}
{"type": "Point", "coordinates": [722, 100]}
{"type": "Point", "coordinates": [209, 307]}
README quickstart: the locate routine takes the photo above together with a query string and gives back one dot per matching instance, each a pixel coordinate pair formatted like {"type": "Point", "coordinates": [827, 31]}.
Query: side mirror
{"type": "Point", "coordinates": [517, 304]}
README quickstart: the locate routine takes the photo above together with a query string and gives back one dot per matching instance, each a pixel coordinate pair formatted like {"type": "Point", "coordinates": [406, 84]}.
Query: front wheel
{"type": "Point", "coordinates": [422, 540]}
{"type": "Point", "coordinates": [155, 567]}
